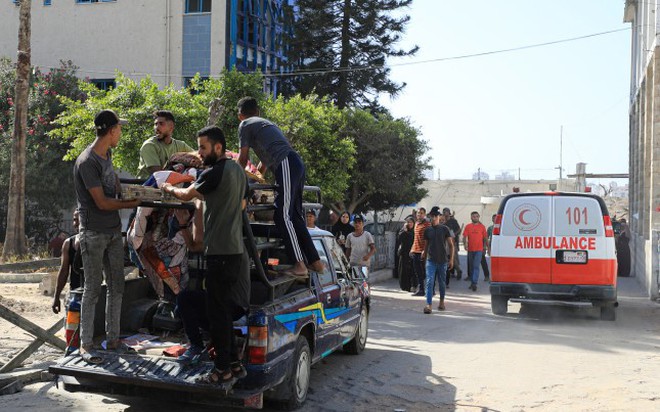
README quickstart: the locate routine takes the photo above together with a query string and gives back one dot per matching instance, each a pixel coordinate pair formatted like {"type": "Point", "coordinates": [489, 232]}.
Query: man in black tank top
{"type": "Point", "coordinates": [71, 266]}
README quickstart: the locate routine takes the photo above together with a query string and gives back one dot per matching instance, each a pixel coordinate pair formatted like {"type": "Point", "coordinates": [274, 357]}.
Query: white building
{"type": "Point", "coordinates": [170, 40]}
{"type": "Point", "coordinates": [643, 15]}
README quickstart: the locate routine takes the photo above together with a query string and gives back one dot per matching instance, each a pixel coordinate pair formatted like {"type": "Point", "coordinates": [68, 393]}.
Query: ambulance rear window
{"type": "Point", "coordinates": [578, 216]}
{"type": "Point", "coordinates": [527, 216]}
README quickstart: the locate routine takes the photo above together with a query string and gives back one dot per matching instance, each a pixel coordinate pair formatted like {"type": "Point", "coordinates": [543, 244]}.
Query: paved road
{"type": "Point", "coordinates": [463, 359]}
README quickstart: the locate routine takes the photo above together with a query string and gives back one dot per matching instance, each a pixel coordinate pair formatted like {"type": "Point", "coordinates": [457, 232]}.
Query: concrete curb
{"type": "Point", "coordinates": [31, 265]}
{"type": "Point", "coordinates": [22, 277]}
{"type": "Point", "coordinates": [380, 276]}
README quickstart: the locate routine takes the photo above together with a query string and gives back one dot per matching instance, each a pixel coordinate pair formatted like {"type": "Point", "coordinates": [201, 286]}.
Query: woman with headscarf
{"type": "Point", "coordinates": [342, 229]}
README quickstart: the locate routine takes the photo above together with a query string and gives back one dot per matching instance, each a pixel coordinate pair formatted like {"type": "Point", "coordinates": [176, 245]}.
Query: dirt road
{"type": "Point", "coordinates": [463, 359]}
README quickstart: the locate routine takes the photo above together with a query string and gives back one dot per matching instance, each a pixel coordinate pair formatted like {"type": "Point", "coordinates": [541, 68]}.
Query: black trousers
{"type": "Point", "coordinates": [222, 272]}
{"type": "Point", "coordinates": [191, 305]}
{"type": "Point", "coordinates": [289, 217]}
{"type": "Point", "coordinates": [419, 269]}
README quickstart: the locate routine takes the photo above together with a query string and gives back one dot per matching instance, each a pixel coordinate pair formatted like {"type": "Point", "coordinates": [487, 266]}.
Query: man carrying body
{"type": "Point", "coordinates": [360, 246]}
{"type": "Point", "coordinates": [224, 189]}
{"type": "Point", "coordinates": [275, 153]}
{"type": "Point", "coordinates": [97, 189]}
{"type": "Point", "coordinates": [156, 151]}
{"type": "Point", "coordinates": [437, 237]}
{"type": "Point", "coordinates": [474, 239]}
{"type": "Point", "coordinates": [419, 244]}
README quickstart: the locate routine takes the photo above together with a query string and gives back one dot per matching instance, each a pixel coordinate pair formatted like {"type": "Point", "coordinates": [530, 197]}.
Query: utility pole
{"type": "Point", "coordinates": [561, 155]}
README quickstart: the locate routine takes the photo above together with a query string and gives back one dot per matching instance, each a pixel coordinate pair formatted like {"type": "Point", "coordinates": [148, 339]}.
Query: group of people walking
{"type": "Point", "coordinates": [428, 253]}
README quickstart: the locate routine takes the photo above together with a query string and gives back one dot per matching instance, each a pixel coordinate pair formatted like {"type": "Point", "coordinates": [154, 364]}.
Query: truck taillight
{"type": "Point", "coordinates": [257, 344]}
{"type": "Point", "coordinates": [497, 224]}
{"type": "Point", "coordinates": [609, 230]}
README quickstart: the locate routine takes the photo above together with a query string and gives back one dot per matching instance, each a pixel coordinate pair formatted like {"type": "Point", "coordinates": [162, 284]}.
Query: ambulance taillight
{"type": "Point", "coordinates": [497, 224]}
{"type": "Point", "coordinates": [609, 230]}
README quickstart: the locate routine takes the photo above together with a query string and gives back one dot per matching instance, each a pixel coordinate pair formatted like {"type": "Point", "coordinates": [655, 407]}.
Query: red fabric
{"type": "Point", "coordinates": [476, 234]}
{"type": "Point", "coordinates": [419, 243]}
{"type": "Point", "coordinates": [174, 351]}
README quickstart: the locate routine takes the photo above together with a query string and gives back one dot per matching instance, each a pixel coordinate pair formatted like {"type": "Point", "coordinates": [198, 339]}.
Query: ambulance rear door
{"type": "Point", "coordinates": [520, 256]}
{"type": "Point", "coordinates": [582, 249]}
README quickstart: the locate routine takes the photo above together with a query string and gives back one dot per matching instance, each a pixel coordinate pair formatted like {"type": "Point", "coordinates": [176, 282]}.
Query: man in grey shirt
{"type": "Point", "coordinates": [97, 189]}
{"type": "Point", "coordinates": [275, 153]}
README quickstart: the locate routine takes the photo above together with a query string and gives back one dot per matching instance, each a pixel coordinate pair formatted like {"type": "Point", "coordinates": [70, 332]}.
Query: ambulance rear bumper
{"type": "Point", "coordinates": [548, 292]}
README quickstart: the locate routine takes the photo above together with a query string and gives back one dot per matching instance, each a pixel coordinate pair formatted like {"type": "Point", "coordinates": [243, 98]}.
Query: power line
{"type": "Point", "coordinates": [306, 72]}
{"type": "Point", "coordinates": [321, 71]}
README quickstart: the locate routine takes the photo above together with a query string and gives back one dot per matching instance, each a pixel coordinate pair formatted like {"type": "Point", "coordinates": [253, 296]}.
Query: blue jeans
{"type": "Point", "coordinates": [435, 270]}
{"type": "Point", "coordinates": [474, 260]}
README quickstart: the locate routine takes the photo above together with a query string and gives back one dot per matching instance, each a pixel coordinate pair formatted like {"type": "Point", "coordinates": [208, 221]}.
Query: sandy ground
{"type": "Point", "coordinates": [463, 359]}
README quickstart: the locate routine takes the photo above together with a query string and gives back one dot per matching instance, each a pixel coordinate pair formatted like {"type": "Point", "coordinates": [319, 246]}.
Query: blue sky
{"type": "Point", "coordinates": [504, 111]}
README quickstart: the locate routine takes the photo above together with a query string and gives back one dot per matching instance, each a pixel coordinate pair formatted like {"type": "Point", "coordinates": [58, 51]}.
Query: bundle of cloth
{"type": "Point", "coordinates": [157, 246]}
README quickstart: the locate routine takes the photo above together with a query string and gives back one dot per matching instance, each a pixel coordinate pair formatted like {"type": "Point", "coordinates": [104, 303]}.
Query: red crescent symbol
{"type": "Point", "coordinates": [521, 215]}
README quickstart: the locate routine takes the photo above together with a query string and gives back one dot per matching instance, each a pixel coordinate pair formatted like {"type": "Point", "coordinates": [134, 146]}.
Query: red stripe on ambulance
{"type": "Point", "coordinates": [546, 270]}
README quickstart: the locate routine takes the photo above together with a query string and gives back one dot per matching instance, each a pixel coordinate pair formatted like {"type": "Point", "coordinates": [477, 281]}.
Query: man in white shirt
{"type": "Point", "coordinates": [360, 246]}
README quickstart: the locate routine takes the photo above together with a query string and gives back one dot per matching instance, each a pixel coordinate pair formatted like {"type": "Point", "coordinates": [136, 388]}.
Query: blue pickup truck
{"type": "Point", "coordinates": [292, 324]}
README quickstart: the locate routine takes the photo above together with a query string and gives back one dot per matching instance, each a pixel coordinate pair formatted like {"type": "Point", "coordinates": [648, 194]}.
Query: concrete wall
{"type": "Point", "coordinates": [644, 146]}
{"type": "Point", "coordinates": [136, 37]}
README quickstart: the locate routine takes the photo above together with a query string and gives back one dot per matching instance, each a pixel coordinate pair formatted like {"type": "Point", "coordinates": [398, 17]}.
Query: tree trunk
{"type": "Point", "coordinates": [344, 59]}
{"type": "Point", "coordinates": [15, 244]}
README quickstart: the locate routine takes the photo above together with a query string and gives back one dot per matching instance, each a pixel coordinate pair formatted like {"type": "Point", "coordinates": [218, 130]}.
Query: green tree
{"type": "Point", "coordinates": [390, 163]}
{"type": "Point", "coordinates": [313, 126]}
{"type": "Point", "coordinates": [337, 38]}
{"type": "Point", "coordinates": [49, 180]}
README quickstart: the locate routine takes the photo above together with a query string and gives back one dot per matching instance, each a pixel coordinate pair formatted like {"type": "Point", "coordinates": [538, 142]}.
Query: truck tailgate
{"type": "Point", "coordinates": [148, 372]}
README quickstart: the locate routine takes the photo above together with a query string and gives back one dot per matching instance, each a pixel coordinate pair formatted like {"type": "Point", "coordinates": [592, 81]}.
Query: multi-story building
{"type": "Point", "coordinates": [170, 40]}
{"type": "Point", "coordinates": [644, 190]}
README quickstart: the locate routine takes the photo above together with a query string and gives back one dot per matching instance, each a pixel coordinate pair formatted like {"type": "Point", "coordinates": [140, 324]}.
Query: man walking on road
{"type": "Point", "coordinates": [474, 238]}
{"type": "Point", "coordinates": [453, 225]}
{"type": "Point", "coordinates": [419, 244]}
{"type": "Point", "coordinates": [437, 238]}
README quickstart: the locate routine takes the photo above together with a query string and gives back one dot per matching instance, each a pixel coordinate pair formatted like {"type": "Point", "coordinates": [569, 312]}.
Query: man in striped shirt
{"type": "Point", "coordinates": [419, 244]}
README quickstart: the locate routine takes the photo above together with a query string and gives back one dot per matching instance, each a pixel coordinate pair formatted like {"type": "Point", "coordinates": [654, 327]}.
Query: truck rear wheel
{"type": "Point", "coordinates": [499, 304]}
{"type": "Point", "coordinates": [295, 386]}
{"type": "Point", "coordinates": [359, 341]}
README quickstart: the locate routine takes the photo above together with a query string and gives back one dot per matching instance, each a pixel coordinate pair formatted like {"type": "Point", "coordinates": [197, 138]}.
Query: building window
{"type": "Point", "coordinates": [104, 84]}
{"type": "Point", "coordinates": [46, 2]}
{"type": "Point", "coordinates": [198, 6]}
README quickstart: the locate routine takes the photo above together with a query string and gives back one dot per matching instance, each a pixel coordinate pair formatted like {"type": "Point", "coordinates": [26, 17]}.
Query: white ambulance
{"type": "Point", "coordinates": [553, 248]}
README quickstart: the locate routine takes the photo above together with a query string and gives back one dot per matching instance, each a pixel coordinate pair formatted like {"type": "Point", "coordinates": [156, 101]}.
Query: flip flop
{"type": "Point", "coordinates": [91, 357]}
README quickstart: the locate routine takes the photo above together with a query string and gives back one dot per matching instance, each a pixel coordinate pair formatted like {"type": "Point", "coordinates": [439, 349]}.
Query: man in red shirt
{"type": "Point", "coordinates": [475, 237]}
{"type": "Point", "coordinates": [419, 244]}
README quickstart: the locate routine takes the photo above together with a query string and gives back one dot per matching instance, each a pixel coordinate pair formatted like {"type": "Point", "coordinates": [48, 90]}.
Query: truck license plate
{"type": "Point", "coordinates": [574, 256]}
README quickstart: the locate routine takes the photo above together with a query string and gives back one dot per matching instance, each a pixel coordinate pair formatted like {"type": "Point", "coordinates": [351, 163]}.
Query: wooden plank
{"type": "Point", "coordinates": [31, 328]}
{"type": "Point", "coordinates": [28, 375]}
{"type": "Point", "coordinates": [29, 350]}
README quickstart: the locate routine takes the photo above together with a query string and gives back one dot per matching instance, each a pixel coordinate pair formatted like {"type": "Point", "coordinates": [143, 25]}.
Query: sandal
{"type": "Point", "coordinates": [238, 370]}
{"type": "Point", "coordinates": [224, 379]}
{"type": "Point", "coordinates": [91, 357]}
{"type": "Point", "coordinates": [427, 309]}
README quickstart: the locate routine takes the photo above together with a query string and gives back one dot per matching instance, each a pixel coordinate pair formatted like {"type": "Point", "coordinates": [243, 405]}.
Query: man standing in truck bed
{"type": "Point", "coordinates": [223, 187]}
{"type": "Point", "coordinates": [276, 154]}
